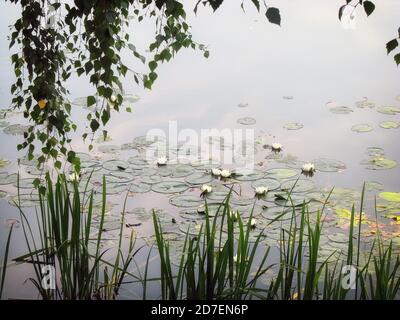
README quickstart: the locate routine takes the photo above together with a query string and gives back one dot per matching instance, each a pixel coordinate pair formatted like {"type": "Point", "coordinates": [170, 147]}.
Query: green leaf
{"type": "Point", "coordinates": [257, 4]}
{"type": "Point", "coordinates": [90, 101]}
{"type": "Point", "coordinates": [273, 15]}
{"type": "Point", "coordinates": [369, 7]}
{"type": "Point", "coordinates": [152, 65]}
{"type": "Point", "coordinates": [94, 125]}
{"type": "Point", "coordinates": [391, 45]}
{"type": "Point", "coordinates": [397, 58]}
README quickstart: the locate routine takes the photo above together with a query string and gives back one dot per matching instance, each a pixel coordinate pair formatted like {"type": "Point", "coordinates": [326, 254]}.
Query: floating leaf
{"type": "Point", "coordinates": [270, 183]}
{"type": "Point", "coordinates": [16, 129]}
{"type": "Point", "coordinates": [170, 187]}
{"type": "Point", "coordinates": [362, 127]}
{"type": "Point", "coordinates": [151, 179]}
{"type": "Point", "coordinates": [389, 110]}
{"type": "Point", "coordinates": [198, 178]}
{"type": "Point", "coordinates": [247, 121]}
{"type": "Point", "coordinates": [4, 163]}
{"type": "Point", "coordinates": [251, 176]}
{"type": "Point", "coordinates": [185, 201]}
{"type": "Point", "coordinates": [341, 110]}
{"type": "Point", "coordinates": [116, 165]}
{"type": "Point", "coordinates": [108, 148]}
{"type": "Point", "coordinates": [379, 163]}
{"type": "Point", "coordinates": [293, 126]}
{"type": "Point", "coordinates": [390, 196]}
{"type": "Point", "coordinates": [389, 124]}
{"type": "Point", "coordinates": [139, 187]}
{"type": "Point", "coordinates": [298, 185]}
{"type": "Point", "coordinates": [328, 165]}
{"type": "Point", "coordinates": [6, 178]}
{"type": "Point", "coordinates": [281, 173]}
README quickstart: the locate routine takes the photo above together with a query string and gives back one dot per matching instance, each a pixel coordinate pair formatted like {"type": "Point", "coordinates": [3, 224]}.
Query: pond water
{"type": "Point", "coordinates": [329, 95]}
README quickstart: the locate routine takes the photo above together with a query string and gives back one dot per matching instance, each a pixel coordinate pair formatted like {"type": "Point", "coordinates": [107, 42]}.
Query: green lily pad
{"type": "Point", "coordinates": [390, 196]}
{"type": "Point", "coordinates": [270, 183]}
{"type": "Point", "coordinates": [341, 110]}
{"type": "Point", "coordinates": [390, 124]}
{"type": "Point", "coordinates": [139, 187]}
{"type": "Point", "coordinates": [373, 185]}
{"type": "Point", "coordinates": [389, 110]}
{"type": "Point", "coordinates": [251, 176]}
{"type": "Point", "coordinates": [116, 188]}
{"type": "Point", "coordinates": [16, 129]}
{"type": "Point", "coordinates": [6, 178]}
{"type": "Point", "coordinates": [247, 121]}
{"type": "Point", "coordinates": [182, 170]}
{"type": "Point", "coordinates": [4, 163]}
{"type": "Point", "coordinates": [298, 186]}
{"type": "Point", "coordinates": [185, 201]}
{"type": "Point", "coordinates": [119, 177]}
{"type": "Point", "coordinates": [362, 127]}
{"type": "Point", "coordinates": [281, 173]}
{"type": "Point", "coordinates": [3, 194]}
{"type": "Point", "coordinates": [198, 178]}
{"type": "Point", "coordinates": [379, 163]}
{"type": "Point", "coordinates": [293, 126]}
{"type": "Point", "coordinates": [151, 179]}
{"type": "Point", "coordinates": [375, 152]}
{"type": "Point", "coordinates": [170, 187]}
{"type": "Point", "coordinates": [109, 148]}
{"type": "Point", "coordinates": [328, 165]}
{"type": "Point", "coordinates": [116, 165]}
{"type": "Point", "coordinates": [365, 104]}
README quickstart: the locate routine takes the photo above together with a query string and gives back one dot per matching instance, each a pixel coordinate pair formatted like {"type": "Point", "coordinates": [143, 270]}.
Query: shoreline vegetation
{"type": "Point", "coordinates": [223, 260]}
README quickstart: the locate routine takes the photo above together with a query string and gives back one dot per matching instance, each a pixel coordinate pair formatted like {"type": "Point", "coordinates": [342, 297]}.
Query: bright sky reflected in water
{"type": "Point", "coordinates": [310, 57]}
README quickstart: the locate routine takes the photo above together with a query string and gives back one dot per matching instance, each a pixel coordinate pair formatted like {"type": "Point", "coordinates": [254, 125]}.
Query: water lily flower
{"type": "Point", "coordinates": [205, 188]}
{"type": "Point", "coordinates": [225, 173]}
{"type": "Point", "coordinates": [74, 177]}
{"type": "Point", "coordinates": [276, 147]}
{"type": "Point", "coordinates": [42, 103]}
{"type": "Point", "coordinates": [308, 168]}
{"type": "Point", "coordinates": [234, 215]}
{"type": "Point", "coordinates": [113, 98]}
{"type": "Point", "coordinates": [162, 161]}
{"type": "Point", "coordinates": [216, 172]}
{"type": "Point", "coordinates": [261, 190]}
{"type": "Point", "coordinates": [253, 223]}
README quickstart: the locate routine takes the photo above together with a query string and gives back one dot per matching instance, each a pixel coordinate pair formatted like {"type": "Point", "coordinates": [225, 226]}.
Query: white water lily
{"type": "Point", "coordinates": [261, 190]}
{"type": "Point", "coordinates": [253, 223]}
{"type": "Point", "coordinates": [162, 161]}
{"type": "Point", "coordinates": [113, 98]}
{"type": "Point", "coordinates": [205, 188]}
{"type": "Point", "coordinates": [308, 168]}
{"type": "Point", "coordinates": [276, 146]}
{"type": "Point", "coordinates": [73, 177]}
{"type": "Point", "coordinates": [216, 172]}
{"type": "Point", "coordinates": [225, 173]}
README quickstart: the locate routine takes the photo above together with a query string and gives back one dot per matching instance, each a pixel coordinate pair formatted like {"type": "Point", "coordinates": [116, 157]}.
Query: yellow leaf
{"type": "Point", "coordinates": [42, 103]}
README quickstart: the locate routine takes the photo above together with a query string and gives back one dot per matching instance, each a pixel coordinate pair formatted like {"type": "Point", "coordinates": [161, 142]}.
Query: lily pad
{"type": "Point", "coordinates": [182, 170]}
{"type": "Point", "coordinates": [4, 163]}
{"type": "Point", "coordinates": [116, 165]}
{"type": "Point", "coordinates": [362, 127]}
{"type": "Point", "coordinates": [6, 178]}
{"type": "Point", "coordinates": [389, 110]}
{"type": "Point", "coordinates": [281, 173]}
{"type": "Point", "coordinates": [341, 110]}
{"type": "Point", "coordinates": [119, 177]}
{"type": "Point", "coordinates": [247, 121]}
{"type": "Point", "coordinates": [298, 186]}
{"type": "Point", "coordinates": [379, 163]}
{"type": "Point", "coordinates": [151, 179]}
{"type": "Point", "coordinates": [251, 176]}
{"type": "Point", "coordinates": [390, 196]}
{"type": "Point", "coordinates": [270, 183]}
{"type": "Point", "coordinates": [328, 165]}
{"type": "Point", "coordinates": [198, 178]}
{"type": "Point", "coordinates": [16, 129]}
{"type": "Point", "coordinates": [139, 187]}
{"type": "Point", "coordinates": [170, 187]}
{"type": "Point", "coordinates": [109, 148]}
{"type": "Point", "coordinates": [185, 201]}
{"type": "Point", "coordinates": [390, 124]}
{"type": "Point", "coordinates": [375, 152]}
{"type": "Point", "coordinates": [293, 126]}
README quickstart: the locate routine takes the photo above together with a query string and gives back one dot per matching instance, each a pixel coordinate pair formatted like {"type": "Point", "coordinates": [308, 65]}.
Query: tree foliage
{"type": "Point", "coordinates": [55, 40]}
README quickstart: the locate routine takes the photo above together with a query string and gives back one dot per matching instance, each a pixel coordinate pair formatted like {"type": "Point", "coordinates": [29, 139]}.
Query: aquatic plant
{"type": "Point", "coordinates": [65, 233]}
